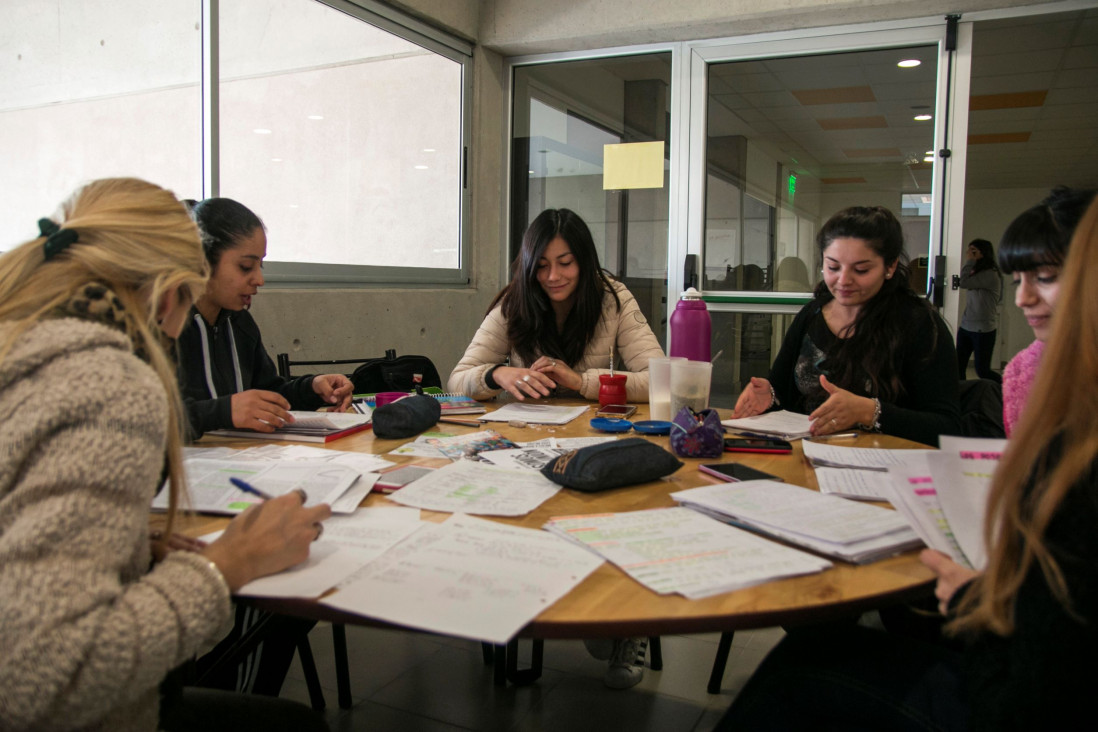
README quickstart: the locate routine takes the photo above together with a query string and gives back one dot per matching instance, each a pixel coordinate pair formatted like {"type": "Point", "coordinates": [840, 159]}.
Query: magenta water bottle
{"type": "Point", "coordinates": [691, 328]}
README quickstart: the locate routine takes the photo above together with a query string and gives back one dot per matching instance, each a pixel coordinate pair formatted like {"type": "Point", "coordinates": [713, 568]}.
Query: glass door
{"type": "Point", "coordinates": [569, 119]}
{"type": "Point", "coordinates": [782, 139]}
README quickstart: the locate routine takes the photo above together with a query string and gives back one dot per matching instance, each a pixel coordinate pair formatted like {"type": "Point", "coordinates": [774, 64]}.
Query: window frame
{"type": "Point", "coordinates": [302, 275]}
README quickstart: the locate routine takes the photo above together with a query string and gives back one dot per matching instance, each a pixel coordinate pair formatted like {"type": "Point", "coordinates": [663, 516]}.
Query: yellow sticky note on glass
{"type": "Point", "coordinates": [632, 165]}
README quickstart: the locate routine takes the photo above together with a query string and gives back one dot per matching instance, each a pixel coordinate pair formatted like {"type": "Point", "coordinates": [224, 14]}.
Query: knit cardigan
{"type": "Point", "coordinates": [624, 329]}
{"type": "Point", "coordinates": [87, 628]}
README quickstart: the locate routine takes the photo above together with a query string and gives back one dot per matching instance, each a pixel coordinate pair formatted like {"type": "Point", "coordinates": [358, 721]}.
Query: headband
{"type": "Point", "coordinates": [57, 239]}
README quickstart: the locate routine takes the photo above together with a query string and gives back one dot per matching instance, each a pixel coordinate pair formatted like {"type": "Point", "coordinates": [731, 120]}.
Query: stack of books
{"type": "Point", "coordinates": [450, 402]}
{"type": "Point", "coordinates": [308, 427]}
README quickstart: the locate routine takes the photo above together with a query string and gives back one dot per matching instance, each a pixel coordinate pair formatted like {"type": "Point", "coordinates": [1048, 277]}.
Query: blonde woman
{"type": "Point", "coordinates": [1028, 625]}
{"type": "Point", "coordinates": [90, 423]}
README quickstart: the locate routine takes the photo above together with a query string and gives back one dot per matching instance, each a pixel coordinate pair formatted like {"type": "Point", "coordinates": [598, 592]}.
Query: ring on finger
{"type": "Point", "coordinates": [301, 492]}
{"type": "Point", "coordinates": [526, 378]}
{"type": "Point", "coordinates": [319, 529]}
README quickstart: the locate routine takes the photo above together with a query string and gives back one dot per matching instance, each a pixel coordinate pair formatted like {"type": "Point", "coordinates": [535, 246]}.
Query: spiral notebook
{"type": "Point", "coordinates": [451, 402]}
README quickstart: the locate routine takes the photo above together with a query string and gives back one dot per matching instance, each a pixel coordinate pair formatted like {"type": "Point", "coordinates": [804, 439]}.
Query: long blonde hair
{"type": "Point", "coordinates": [137, 239]}
{"type": "Point", "coordinates": [1029, 487]}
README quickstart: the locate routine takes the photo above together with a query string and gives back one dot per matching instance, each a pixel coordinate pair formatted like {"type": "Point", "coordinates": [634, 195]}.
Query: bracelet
{"type": "Point", "coordinates": [773, 398]}
{"type": "Point", "coordinates": [875, 424]}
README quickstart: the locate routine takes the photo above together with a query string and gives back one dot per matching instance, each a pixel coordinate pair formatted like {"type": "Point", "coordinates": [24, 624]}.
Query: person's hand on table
{"type": "Point", "coordinates": [951, 576]}
{"type": "Point", "coordinates": [162, 547]}
{"type": "Point", "coordinates": [755, 399]}
{"type": "Point", "coordinates": [267, 538]}
{"type": "Point", "coordinates": [841, 411]}
{"type": "Point", "coordinates": [259, 410]}
{"type": "Point", "coordinates": [523, 383]}
{"type": "Point", "coordinates": [334, 389]}
{"type": "Point", "coordinates": [559, 372]}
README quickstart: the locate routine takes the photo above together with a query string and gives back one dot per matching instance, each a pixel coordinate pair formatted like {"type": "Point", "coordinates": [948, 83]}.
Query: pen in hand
{"type": "Point", "coordinates": [249, 488]}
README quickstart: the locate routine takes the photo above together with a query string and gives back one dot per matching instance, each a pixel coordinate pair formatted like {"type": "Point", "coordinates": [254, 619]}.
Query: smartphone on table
{"type": "Point", "coordinates": [396, 478]}
{"type": "Point", "coordinates": [616, 411]}
{"type": "Point", "coordinates": [734, 472]}
{"type": "Point", "coordinates": [773, 446]}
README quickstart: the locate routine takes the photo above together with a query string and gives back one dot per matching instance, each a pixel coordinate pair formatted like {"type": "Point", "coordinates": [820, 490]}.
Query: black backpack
{"type": "Point", "coordinates": [394, 373]}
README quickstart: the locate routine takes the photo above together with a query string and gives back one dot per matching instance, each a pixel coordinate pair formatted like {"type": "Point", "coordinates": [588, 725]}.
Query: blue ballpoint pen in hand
{"type": "Point", "coordinates": [249, 488]}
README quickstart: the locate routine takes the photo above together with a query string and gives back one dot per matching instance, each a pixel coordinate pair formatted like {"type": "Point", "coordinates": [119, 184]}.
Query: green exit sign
{"type": "Point", "coordinates": [792, 185]}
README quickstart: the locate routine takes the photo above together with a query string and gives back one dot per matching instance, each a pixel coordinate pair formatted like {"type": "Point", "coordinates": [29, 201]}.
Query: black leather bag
{"type": "Point", "coordinates": [394, 373]}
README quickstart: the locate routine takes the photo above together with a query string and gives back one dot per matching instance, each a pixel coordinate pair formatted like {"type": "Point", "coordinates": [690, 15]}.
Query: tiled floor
{"type": "Point", "coordinates": [415, 682]}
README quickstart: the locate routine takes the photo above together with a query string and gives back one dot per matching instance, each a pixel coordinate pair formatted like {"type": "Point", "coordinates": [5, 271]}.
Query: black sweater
{"type": "Point", "coordinates": [929, 406]}
{"type": "Point", "coordinates": [207, 412]}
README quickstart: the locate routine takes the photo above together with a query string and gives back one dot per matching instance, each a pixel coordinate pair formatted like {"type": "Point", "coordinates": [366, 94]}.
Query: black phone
{"type": "Point", "coordinates": [733, 472]}
{"type": "Point", "coordinates": [396, 478]}
{"type": "Point", "coordinates": [757, 444]}
{"type": "Point", "coordinates": [619, 411]}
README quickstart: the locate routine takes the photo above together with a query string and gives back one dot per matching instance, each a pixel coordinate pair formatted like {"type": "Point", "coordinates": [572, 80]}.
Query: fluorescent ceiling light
{"type": "Point", "coordinates": [909, 63]}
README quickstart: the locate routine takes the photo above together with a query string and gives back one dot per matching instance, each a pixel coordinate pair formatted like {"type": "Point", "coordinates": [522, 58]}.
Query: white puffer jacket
{"type": "Point", "coordinates": [625, 328]}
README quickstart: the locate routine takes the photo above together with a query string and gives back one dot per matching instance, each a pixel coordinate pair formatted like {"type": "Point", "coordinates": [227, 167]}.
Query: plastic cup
{"type": "Point", "coordinates": [659, 387]}
{"type": "Point", "coordinates": [690, 385]}
{"type": "Point", "coordinates": [388, 397]}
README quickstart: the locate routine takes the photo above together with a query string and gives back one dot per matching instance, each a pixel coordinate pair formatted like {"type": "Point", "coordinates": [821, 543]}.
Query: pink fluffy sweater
{"type": "Point", "coordinates": [1018, 378]}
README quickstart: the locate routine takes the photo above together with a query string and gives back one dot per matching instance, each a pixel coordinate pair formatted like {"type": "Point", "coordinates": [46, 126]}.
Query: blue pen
{"type": "Point", "coordinates": [249, 488]}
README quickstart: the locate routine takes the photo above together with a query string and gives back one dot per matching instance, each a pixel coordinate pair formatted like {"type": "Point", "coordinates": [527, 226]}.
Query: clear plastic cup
{"type": "Point", "coordinates": [659, 387]}
{"type": "Point", "coordinates": [690, 385]}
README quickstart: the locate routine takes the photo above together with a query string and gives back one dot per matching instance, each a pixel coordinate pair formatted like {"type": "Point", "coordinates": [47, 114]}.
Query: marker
{"type": "Point", "coordinates": [249, 488]}
{"type": "Point", "coordinates": [466, 422]}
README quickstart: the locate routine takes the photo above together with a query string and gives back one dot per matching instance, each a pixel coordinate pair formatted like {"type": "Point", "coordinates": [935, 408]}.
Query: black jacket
{"type": "Point", "coordinates": [928, 368]}
{"type": "Point", "coordinates": [207, 412]}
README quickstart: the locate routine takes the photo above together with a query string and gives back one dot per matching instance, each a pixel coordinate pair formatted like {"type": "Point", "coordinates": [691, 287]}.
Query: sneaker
{"type": "Point", "coordinates": [600, 648]}
{"type": "Point", "coordinates": [626, 663]}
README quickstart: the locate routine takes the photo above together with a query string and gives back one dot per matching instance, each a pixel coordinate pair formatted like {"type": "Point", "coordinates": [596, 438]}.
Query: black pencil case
{"type": "Point", "coordinates": [611, 465]}
{"type": "Point", "coordinates": [406, 417]}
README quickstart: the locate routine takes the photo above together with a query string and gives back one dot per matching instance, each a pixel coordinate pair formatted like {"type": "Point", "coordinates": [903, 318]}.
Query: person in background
{"type": "Point", "coordinates": [559, 322]}
{"type": "Point", "coordinates": [867, 352]}
{"type": "Point", "coordinates": [1027, 625]}
{"type": "Point", "coordinates": [980, 319]}
{"type": "Point", "coordinates": [94, 615]}
{"type": "Point", "coordinates": [227, 379]}
{"type": "Point", "coordinates": [1032, 251]}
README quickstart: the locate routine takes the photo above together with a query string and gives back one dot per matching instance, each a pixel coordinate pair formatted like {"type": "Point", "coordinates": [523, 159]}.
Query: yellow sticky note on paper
{"type": "Point", "coordinates": [632, 165]}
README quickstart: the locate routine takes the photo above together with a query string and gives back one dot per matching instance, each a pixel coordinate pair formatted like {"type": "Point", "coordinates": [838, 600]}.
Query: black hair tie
{"type": "Point", "coordinates": [57, 239]}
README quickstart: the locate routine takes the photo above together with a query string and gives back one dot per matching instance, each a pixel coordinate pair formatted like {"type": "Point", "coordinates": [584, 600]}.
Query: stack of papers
{"type": "Point", "coordinates": [944, 495]}
{"type": "Point", "coordinates": [783, 424]}
{"type": "Point", "coordinates": [309, 427]}
{"type": "Point", "coordinates": [854, 532]}
{"type": "Point", "coordinates": [533, 413]}
{"type": "Point", "coordinates": [675, 550]}
{"type": "Point", "coordinates": [864, 458]}
{"type": "Point", "coordinates": [467, 578]}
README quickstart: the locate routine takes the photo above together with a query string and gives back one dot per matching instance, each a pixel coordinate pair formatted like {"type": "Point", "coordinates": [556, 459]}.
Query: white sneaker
{"type": "Point", "coordinates": [626, 663]}
{"type": "Point", "coordinates": [600, 648]}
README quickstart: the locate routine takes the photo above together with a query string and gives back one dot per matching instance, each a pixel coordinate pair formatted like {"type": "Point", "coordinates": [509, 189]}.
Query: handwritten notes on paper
{"type": "Point", "coordinates": [787, 425]}
{"type": "Point", "coordinates": [468, 578]}
{"type": "Point", "coordinates": [478, 488]}
{"type": "Point", "coordinates": [675, 550]}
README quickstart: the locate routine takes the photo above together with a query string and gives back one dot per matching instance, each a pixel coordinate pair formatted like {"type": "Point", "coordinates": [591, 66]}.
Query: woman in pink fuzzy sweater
{"type": "Point", "coordinates": [1032, 251]}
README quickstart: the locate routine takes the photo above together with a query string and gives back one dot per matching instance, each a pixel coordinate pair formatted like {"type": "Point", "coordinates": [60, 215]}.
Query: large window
{"type": "Point", "coordinates": [343, 129]}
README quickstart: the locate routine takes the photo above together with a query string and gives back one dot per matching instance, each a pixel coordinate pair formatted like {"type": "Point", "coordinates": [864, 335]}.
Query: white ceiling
{"type": "Point", "coordinates": [1057, 54]}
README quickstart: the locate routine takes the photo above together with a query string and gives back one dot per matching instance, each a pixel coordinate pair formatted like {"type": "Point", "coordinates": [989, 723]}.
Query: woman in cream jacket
{"type": "Point", "coordinates": [558, 323]}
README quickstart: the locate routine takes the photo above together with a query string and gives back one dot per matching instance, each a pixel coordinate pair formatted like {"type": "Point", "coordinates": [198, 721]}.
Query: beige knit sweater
{"type": "Point", "coordinates": [87, 631]}
{"type": "Point", "coordinates": [626, 330]}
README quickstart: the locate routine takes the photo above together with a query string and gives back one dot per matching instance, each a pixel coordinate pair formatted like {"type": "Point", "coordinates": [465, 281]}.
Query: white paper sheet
{"type": "Point", "coordinates": [788, 425]}
{"type": "Point", "coordinates": [533, 413]}
{"type": "Point", "coordinates": [862, 485]}
{"type": "Point", "coordinates": [964, 470]}
{"type": "Point", "coordinates": [478, 488]}
{"type": "Point", "coordinates": [209, 489]}
{"type": "Point", "coordinates": [914, 494]}
{"type": "Point", "coordinates": [468, 578]}
{"type": "Point", "coordinates": [866, 458]}
{"type": "Point", "coordinates": [676, 550]}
